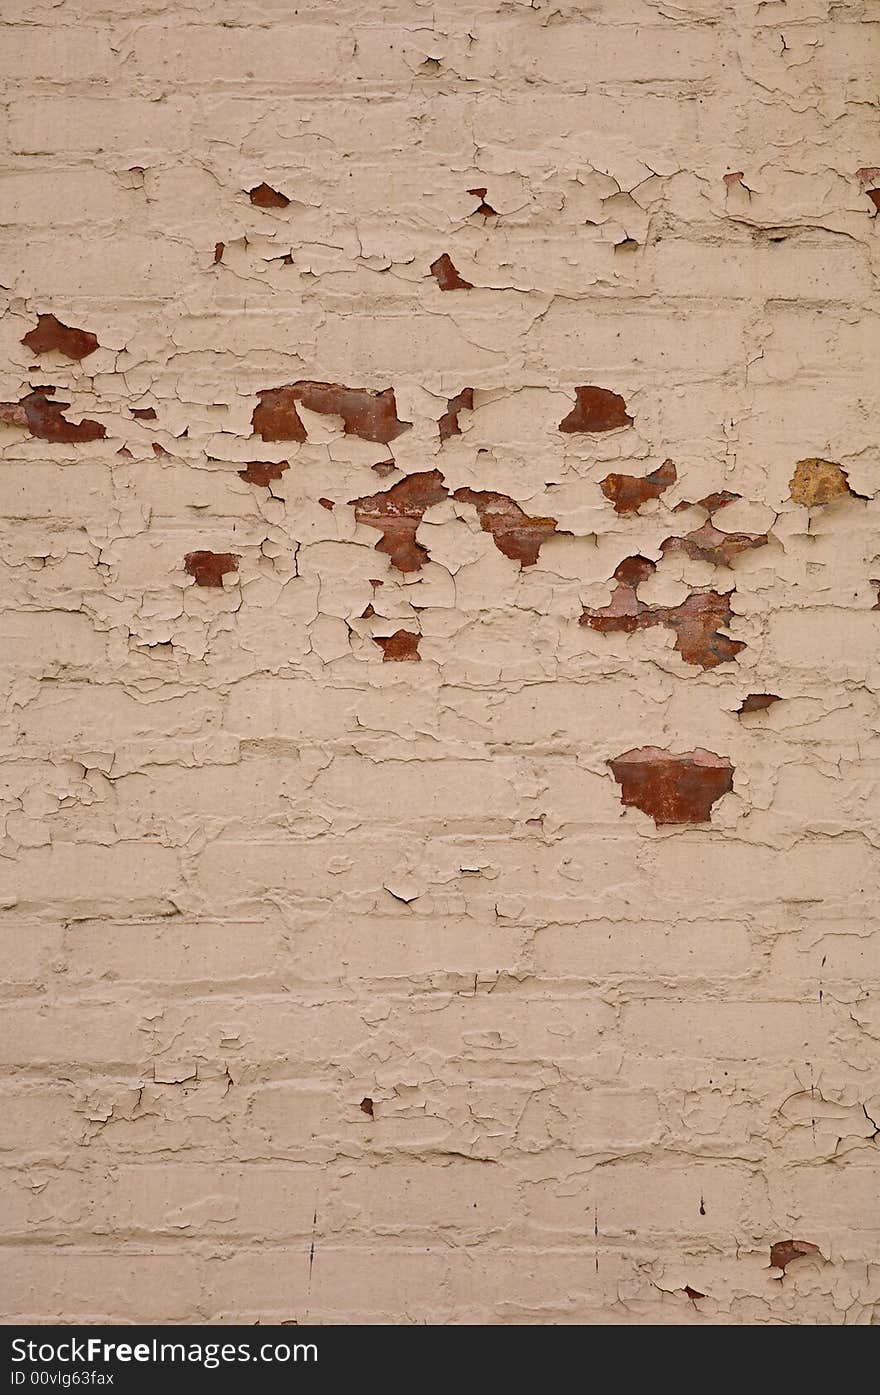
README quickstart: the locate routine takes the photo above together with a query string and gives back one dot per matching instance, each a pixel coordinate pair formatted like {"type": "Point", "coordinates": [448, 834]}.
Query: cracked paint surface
{"type": "Point", "coordinates": [696, 623]}
{"type": "Point", "coordinates": [438, 854]}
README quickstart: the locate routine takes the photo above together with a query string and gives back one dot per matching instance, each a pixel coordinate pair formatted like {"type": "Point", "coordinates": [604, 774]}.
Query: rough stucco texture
{"type": "Point", "coordinates": [440, 640]}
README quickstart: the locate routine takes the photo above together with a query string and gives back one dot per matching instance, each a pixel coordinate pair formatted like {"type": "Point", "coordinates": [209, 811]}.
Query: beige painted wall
{"type": "Point", "coordinates": [313, 940]}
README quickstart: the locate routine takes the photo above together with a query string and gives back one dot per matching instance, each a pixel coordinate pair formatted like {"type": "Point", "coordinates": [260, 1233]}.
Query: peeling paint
{"type": "Point", "coordinates": [596, 409]}
{"type": "Point", "coordinates": [696, 622]}
{"type": "Point", "coordinates": [672, 788]}
{"type": "Point", "coordinates": [264, 196]}
{"type": "Point", "coordinates": [464, 914]}
{"type": "Point", "coordinates": [783, 1252]}
{"type": "Point", "coordinates": [209, 568]}
{"type": "Point", "coordinates": [757, 702]}
{"type": "Point", "coordinates": [448, 424]}
{"type": "Point", "coordinates": [483, 208]}
{"type": "Point", "coordinates": [709, 543]}
{"type": "Point", "coordinates": [513, 531]}
{"type": "Point", "coordinates": [50, 334]}
{"type": "Point", "coordinates": [817, 482]}
{"type": "Point", "coordinates": [447, 277]}
{"type": "Point", "coordinates": [263, 472]}
{"type": "Point", "coordinates": [397, 513]}
{"type": "Point", "coordinates": [628, 492]}
{"type": "Point", "coordinates": [401, 647]}
{"type": "Point", "coordinates": [44, 418]}
{"type": "Point", "coordinates": [370, 415]}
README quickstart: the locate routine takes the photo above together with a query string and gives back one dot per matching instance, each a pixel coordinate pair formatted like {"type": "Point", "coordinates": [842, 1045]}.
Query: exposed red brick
{"type": "Point", "coordinates": [50, 334]}
{"type": "Point", "coordinates": [44, 418]}
{"type": "Point", "coordinates": [874, 196]}
{"type": "Point", "coordinates": [158, 449]}
{"type": "Point", "coordinates": [384, 468]}
{"type": "Point", "coordinates": [596, 409]}
{"type": "Point", "coordinates": [628, 492]}
{"type": "Point", "coordinates": [370, 415]}
{"type": "Point", "coordinates": [784, 1251]}
{"type": "Point", "coordinates": [696, 622]}
{"type": "Point", "coordinates": [672, 788]}
{"type": "Point", "coordinates": [756, 702]}
{"type": "Point", "coordinates": [209, 568]}
{"type": "Point", "coordinates": [264, 196]}
{"type": "Point", "coordinates": [735, 177]}
{"type": "Point", "coordinates": [625, 613]}
{"type": "Point", "coordinates": [367, 1106]}
{"type": "Point", "coordinates": [397, 513]}
{"type": "Point", "coordinates": [401, 647]}
{"type": "Point", "coordinates": [708, 543]}
{"type": "Point", "coordinates": [448, 423]}
{"type": "Point", "coordinates": [693, 1293]}
{"type": "Point", "coordinates": [13, 414]}
{"type": "Point", "coordinates": [219, 249]}
{"type": "Point", "coordinates": [711, 503]}
{"type": "Point", "coordinates": [144, 413]}
{"type": "Point", "coordinates": [275, 417]}
{"type": "Point", "coordinates": [444, 272]}
{"type": "Point", "coordinates": [485, 208]}
{"type": "Point", "coordinates": [513, 531]}
{"type": "Point", "coordinates": [263, 472]}
{"type": "Point", "coordinates": [326, 503]}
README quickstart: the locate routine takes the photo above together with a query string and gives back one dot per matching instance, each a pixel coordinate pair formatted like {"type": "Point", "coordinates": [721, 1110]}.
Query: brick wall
{"type": "Point", "coordinates": [439, 630]}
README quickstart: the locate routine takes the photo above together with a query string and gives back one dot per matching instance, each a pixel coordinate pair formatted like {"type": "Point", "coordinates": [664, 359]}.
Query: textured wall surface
{"type": "Point", "coordinates": [440, 647]}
